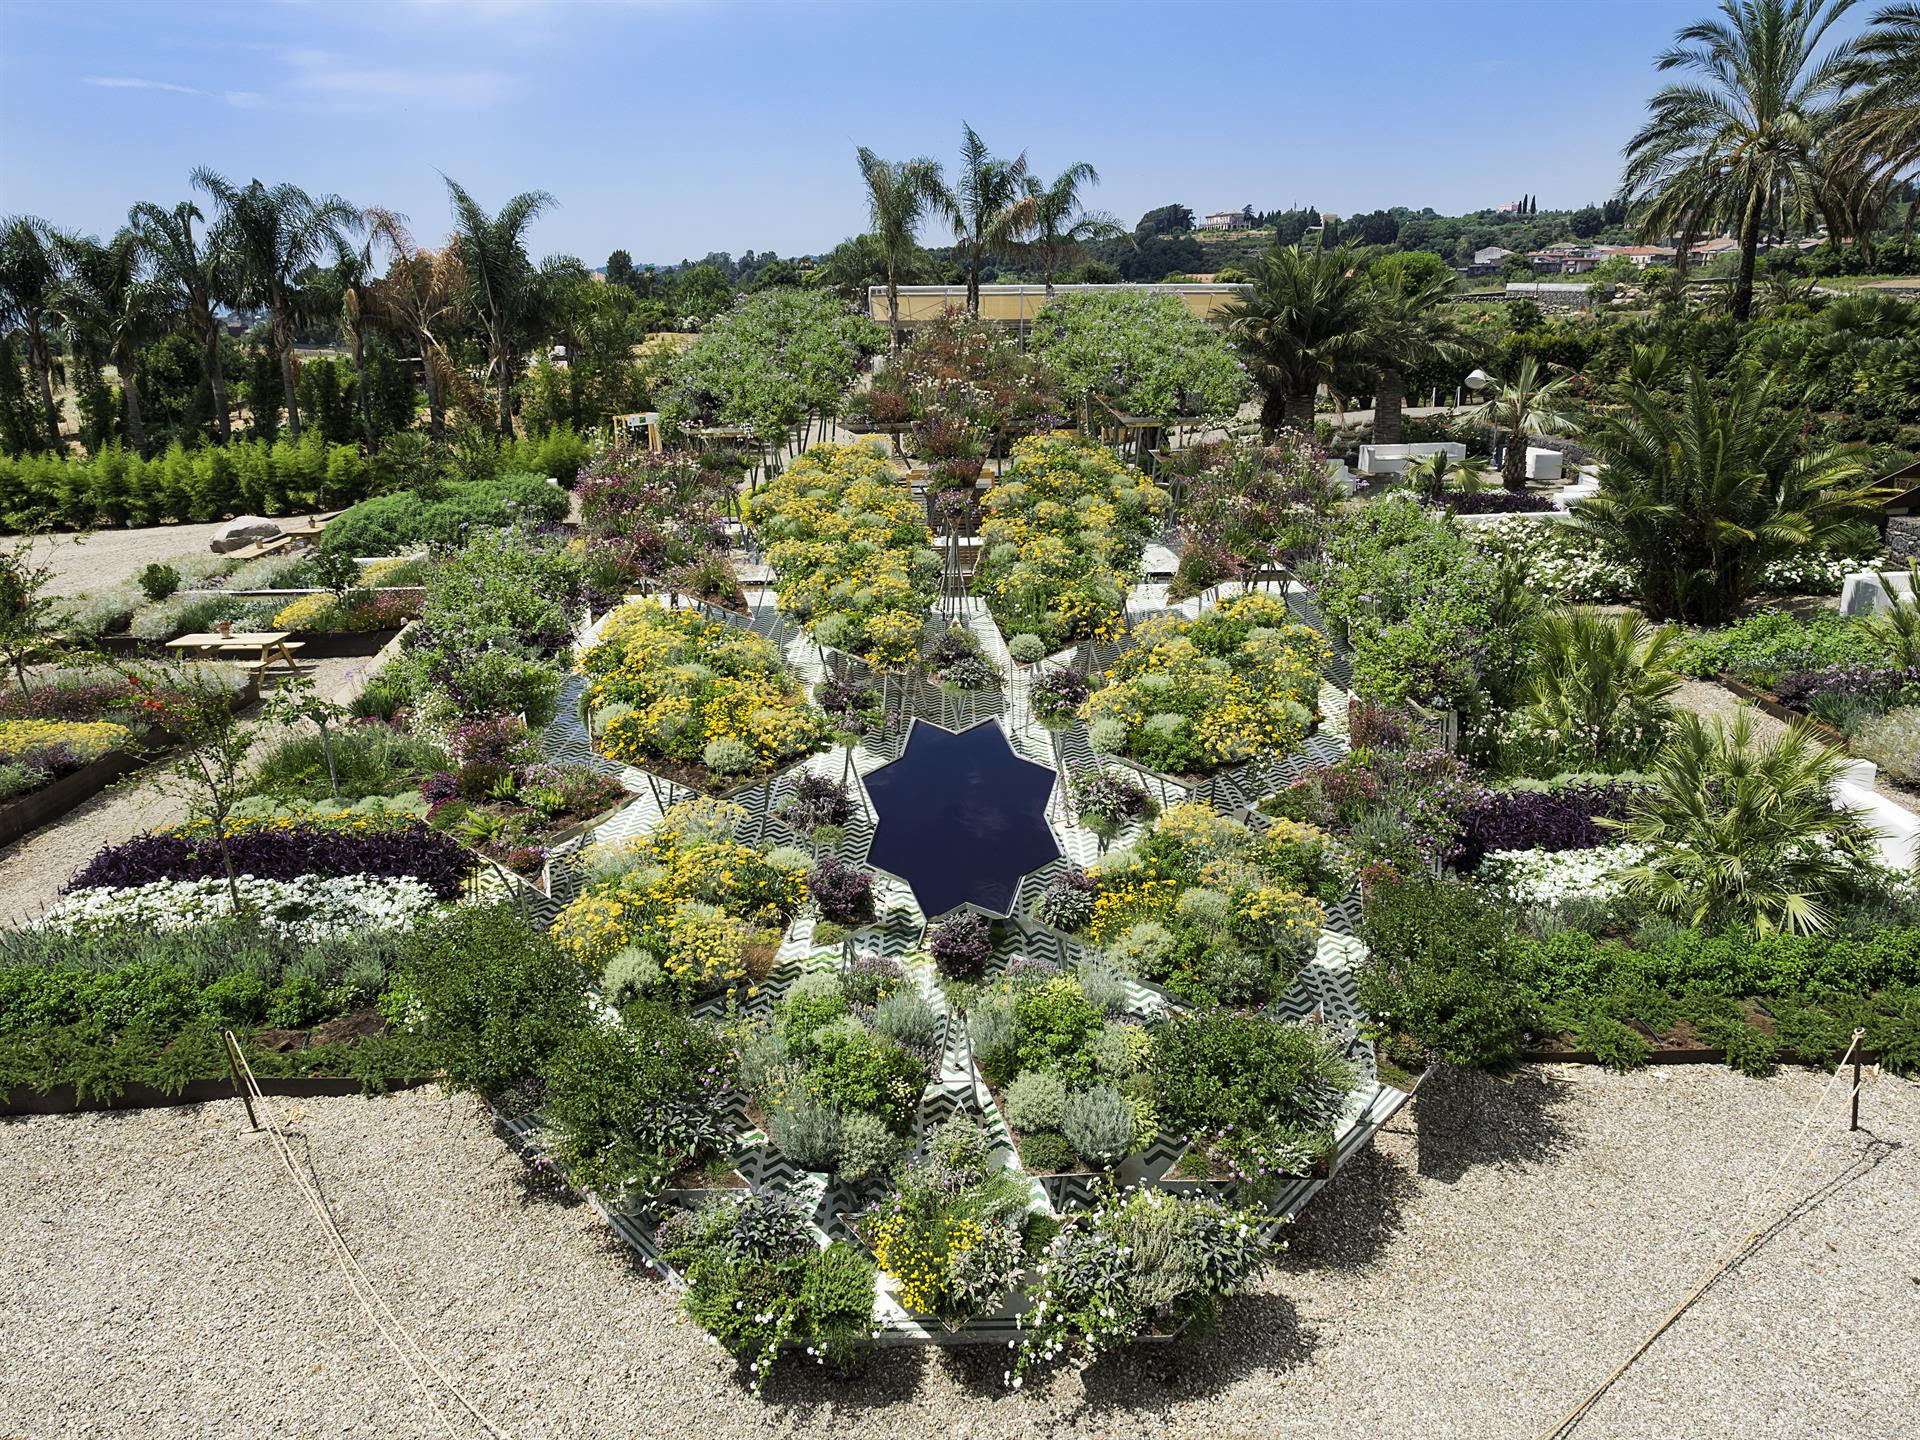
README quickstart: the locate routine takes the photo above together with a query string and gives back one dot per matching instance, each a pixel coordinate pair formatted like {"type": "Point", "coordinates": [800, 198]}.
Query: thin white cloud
{"type": "Point", "coordinates": [326, 76]}
{"type": "Point", "coordinates": [240, 99]}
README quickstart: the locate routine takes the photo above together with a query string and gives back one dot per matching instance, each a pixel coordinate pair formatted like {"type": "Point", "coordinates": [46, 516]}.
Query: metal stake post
{"type": "Point", "coordinates": [239, 1085]}
{"type": "Point", "coordinates": [1854, 1122]}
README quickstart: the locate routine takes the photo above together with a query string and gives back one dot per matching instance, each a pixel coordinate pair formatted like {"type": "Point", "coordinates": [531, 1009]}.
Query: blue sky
{"type": "Point", "coordinates": [674, 127]}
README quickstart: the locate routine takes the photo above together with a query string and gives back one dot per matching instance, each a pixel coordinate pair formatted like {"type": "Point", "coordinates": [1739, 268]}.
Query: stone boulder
{"type": "Point", "coordinates": [242, 531]}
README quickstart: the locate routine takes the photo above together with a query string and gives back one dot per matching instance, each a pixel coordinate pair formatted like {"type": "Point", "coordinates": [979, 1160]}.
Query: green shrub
{"type": "Point", "coordinates": [628, 1105]}
{"type": "Point", "coordinates": [490, 997]}
{"type": "Point", "coordinates": [807, 1132]}
{"type": "Point", "coordinates": [235, 1000]}
{"type": "Point", "coordinates": [1444, 967]}
{"type": "Point", "coordinates": [1240, 1070]}
{"type": "Point", "coordinates": [1763, 647]}
{"type": "Point", "coordinates": [1099, 1125]}
{"type": "Point", "coordinates": [1036, 1100]}
{"type": "Point", "coordinates": [158, 581]}
{"type": "Point", "coordinates": [1045, 1153]}
{"type": "Point", "coordinates": [393, 524]}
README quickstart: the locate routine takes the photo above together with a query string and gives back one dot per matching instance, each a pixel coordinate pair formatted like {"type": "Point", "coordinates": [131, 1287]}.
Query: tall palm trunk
{"type": "Point", "coordinates": [130, 387]}
{"type": "Point", "coordinates": [506, 389]}
{"type": "Point", "coordinates": [973, 285]}
{"type": "Point", "coordinates": [217, 379]}
{"type": "Point", "coordinates": [360, 383]}
{"type": "Point", "coordinates": [1749, 252]}
{"type": "Point", "coordinates": [436, 405]}
{"type": "Point", "coordinates": [1296, 413]}
{"type": "Point", "coordinates": [40, 362]}
{"type": "Point", "coordinates": [1389, 396]}
{"type": "Point", "coordinates": [283, 343]}
{"type": "Point", "coordinates": [893, 312]}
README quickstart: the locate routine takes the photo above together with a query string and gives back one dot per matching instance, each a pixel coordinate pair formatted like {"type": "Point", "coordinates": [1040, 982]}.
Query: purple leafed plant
{"type": "Point", "coordinates": [842, 892]}
{"type": "Point", "coordinates": [1564, 818]}
{"type": "Point", "coordinates": [1067, 901]}
{"type": "Point", "coordinates": [1494, 502]}
{"type": "Point", "coordinates": [962, 945]}
{"type": "Point", "coordinates": [276, 851]}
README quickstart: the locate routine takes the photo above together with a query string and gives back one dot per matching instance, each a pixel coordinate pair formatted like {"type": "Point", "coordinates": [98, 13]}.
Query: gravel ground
{"type": "Point", "coordinates": [1499, 1250]}
{"type": "Point", "coordinates": [106, 557]}
{"type": "Point", "coordinates": [33, 869]}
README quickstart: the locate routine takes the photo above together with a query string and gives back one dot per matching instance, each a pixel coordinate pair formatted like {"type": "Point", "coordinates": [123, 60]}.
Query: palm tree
{"type": "Point", "coordinates": [421, 293]}
{"type": "Point", "coordinates": [1878, 125]}
{"type": "Point", "coordinates": [1603, 684]}
{"type": "Point", "coordinates": [29, 275]}
{"type": "Point", "coordinates": [990, 209]}
{"type": "Point", "coordinates": [353, 267]}
{"type": "Point", "coordinates": [111, 309]}
{"type": "Point", "coordinates": [1698, 497]}
{"type": "Point", "coordinates": [503, 286]}
{"type": "Point", "coordinates": [271, 235]}
{"type": "Point", "coordinates": [1744, 137]}
{"type": "Point", "coordinates": [190, 269]}
{"type": "Point", "coordinates": [1529, 404]}
{"type": "Point", "coordinates": [1060, 221]}
{"type": "Point", "coordinates": [1301, 324]}
{"type": "Point", "coordinates": [899, 196]}
{"type": "Point", "coordinates": [1745, 833]}
{"type": "Point", "coordinates": [1408, 327]}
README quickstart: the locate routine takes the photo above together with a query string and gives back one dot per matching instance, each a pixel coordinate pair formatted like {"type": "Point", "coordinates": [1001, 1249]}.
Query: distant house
{"type": "Point", "coordinates": [1641, 255]}
{"type": "Point", "coordinates": [1225, 220]}
{"type": "Point", "coordinates": [1490, 255]}
{"type": "Point", "coordinates": [1564, 257]}
{"type": "Point", "coordinates": [1708, 249]}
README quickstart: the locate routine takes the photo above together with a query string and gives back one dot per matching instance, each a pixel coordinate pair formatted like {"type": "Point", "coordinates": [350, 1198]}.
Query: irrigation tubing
{"type": "Point", "coordinates": [1763, 1205]}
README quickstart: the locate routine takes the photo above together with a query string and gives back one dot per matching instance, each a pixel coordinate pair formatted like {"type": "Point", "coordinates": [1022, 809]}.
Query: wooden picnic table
{"type": "Point", "coordinates": [268, 648]}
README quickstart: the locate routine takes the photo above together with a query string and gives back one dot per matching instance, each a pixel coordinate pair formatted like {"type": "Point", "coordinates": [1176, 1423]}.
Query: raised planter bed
{"type": "Point", "coordinates": [60, 1100]}
{"type": "Point", "coordinates": [69, 792]}
{"type": "Point", "coordinates": [1769, 705]}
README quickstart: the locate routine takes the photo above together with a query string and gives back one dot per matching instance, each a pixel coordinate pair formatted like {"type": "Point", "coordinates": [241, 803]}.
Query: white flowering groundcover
{"type": "Point", "coordinates": [308, 909]}
{"type": "Point", "coordinates": [1549, 877]}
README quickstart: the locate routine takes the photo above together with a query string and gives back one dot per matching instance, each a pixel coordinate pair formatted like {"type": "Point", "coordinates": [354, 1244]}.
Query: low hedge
{"type": "Point", "coordinates": [391, 524]}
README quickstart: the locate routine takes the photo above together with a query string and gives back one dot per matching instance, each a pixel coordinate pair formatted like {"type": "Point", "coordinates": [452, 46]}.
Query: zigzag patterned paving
{"type": "Point", "coordinates": [1325, 991]}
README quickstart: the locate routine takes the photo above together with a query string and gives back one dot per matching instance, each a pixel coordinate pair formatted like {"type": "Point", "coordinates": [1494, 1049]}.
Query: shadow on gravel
{"type": "Point", "coordinates": [1468, 1118]}
{"type": "Point", "coordinates": [1259, 1333]}
{"type": "Point", "coordinates": [1357, 1216]}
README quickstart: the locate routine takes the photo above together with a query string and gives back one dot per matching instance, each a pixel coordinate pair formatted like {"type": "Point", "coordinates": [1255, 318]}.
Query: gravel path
{"type": "Point", "coordinates": [33, 869]}
{"type": "Point", "coordinates": [106, 557]}
{"type": "Point", "coordinates": [1500, 1249]}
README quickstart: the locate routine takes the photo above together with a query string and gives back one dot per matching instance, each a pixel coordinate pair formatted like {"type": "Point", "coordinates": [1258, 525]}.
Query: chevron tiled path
{"type": "Point", "coordinates": [1325, 991]}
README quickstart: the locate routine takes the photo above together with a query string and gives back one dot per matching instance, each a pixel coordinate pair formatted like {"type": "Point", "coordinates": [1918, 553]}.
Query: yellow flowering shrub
{"type": "Point", "coordinates": [87, 740]}
{"type": "Point", "coordinates": [1062, 540]}
{"type": "Point", "coordinates": [1211, 910]}
{"type": "Point", "coordinates": [851, 553]}
{"type": "Point", "coordinates": [699, 693]}
{"type": "Point", "coordinates": [689, 894]}
{"type": "Point", "coordinates": [1240, 683]}
{"type": "Point", "coordinates": [309, 612]}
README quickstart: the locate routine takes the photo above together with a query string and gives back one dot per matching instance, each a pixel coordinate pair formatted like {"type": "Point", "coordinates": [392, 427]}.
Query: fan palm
{"type": "Point", "coordinates": [990, 209]}
{"type": "Point", "coordinates": [271, 234]}
{"type": "Point", "coordinates": [1744, 136]}
{"type": "Point", "coordinates": [900, 193]}
{"type": "Point", "coordinates": [29, 274]}
{"type": "Point", "coordinates": [1060, 223]}
{"type": "Point", "coordinates": [190, 269]}
{"type": "Point", "coordinates": [420, 295]}
{"type": "Point", "coordinates": [1697, 498]}
{"type": "Point", "coordinates": [1528, 404]}
{"type": "Point", "coordinates": [1602, 685]}
{"type": "Point", "coordinates": [1879, 121]}
{"type": "Point", "coordinates": [1301, 324]}
{"type": "Point", "coordinates": [504, 287]}
{"type": "Point", "coordinates": [1407, 328]}
{"type": "Point", "coordinates": [1744, 832]}
{"type": "Point", "coordinates": [111, 309]}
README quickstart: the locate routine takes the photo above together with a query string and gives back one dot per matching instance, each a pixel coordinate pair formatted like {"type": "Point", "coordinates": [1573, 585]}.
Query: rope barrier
{"type": "Point", "coordinates": [1803, 1146]}
{"type": "Point", "coordinates": [412, 1354]}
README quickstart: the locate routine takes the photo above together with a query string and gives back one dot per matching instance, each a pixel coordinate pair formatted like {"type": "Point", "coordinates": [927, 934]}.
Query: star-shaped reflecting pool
{"type": "Point", "coordinates": [961, 818]}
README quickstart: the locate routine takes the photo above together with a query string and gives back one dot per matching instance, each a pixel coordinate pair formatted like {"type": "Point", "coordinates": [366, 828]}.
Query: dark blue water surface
{"type": "Point", "coordinates": [961, 818]}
